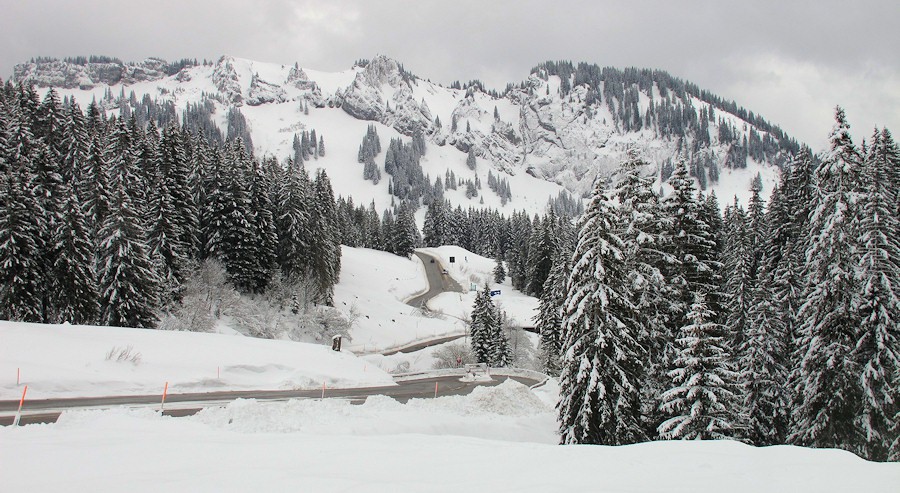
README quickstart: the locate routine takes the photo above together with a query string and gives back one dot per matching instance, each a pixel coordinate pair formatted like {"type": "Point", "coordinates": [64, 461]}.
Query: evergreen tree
{"type": "Point", "coordinates": [763, 377]}
{"type": "Point", "coordinates": [540, 254]}
{"type": "Point", "coordinates": [21, 291]}
{"type": "Point", "coordinates": [601, 374]}
{"type": "Point", "coordinates": [640, 227]}
{"type": "Point", "coordinates": [500, 354]}
{"type": "Point", "coordinates": [292, 221]}
{"type": "Point", "coordinates": [128, 283]}
{"type": "Point", "coordinates": [470, 159]}
{"type": "Point", "coordinates": [482, 327]}
{"type": "Point", "coordinates": [74, 291]}
{"type": "Point", "coordinates": [325, 247]}
{"type": "Point", "coordinates": [877, 349]}
{"type": "Point", "coordinates": [701, 403]}
{"type": "Point", "coordinates": [499, 271]}
{"type": "Point", "coordinates": [405, 233]}
{"type": "Point", "coordinates": [548, 320]}
{"type": "Point", "coordinates": [826, 384]}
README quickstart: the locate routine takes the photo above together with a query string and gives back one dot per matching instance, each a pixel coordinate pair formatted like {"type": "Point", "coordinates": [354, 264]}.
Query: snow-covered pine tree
{"type": "Point", "coordinates": [688, 241]}
{"type": "Point", "coordinates": [701, 403]}
{"type": "Point", "coordinates": [405, 237]}
{"type": "Point", "coordinates": [602, 370]}
{"type": "Point", "coordinates": [548, 320]}
{"type": "Point", "coordinates": [826, 387]}
{"type": "Point", "coordinates": [435, 230]}
{"type": "Point", "coordinates": [128, 283]}
{"type": "Point", "coordinates": [325, 247]}
{"type": "Point", "coordinates": [499, 271]}
{"type": "Point", "coordinates": [74, 293]}
{"type": "Point", "coordinates": [500, 354]}
{"type": "Point", "coordinates": [763, 371]}
{"type": "Point", "coordinates": [482, 326]}
{"type": "Point", "coordinates": [877, 349]}
{"type": "Point", "coordinates": [165, 234]}
{"type": "Point", "coordinates": [266, 244]}
{"type": "Point", "coordinates": [639, 224]}
{"type": "Point", "coordinates": [292, 221]}
{"type": "Point", "coordinates": [21, 290]}
{"type": "Point", "coordinates": [738, 256]}
{"type": "Point", "coordinates": [470, 159]}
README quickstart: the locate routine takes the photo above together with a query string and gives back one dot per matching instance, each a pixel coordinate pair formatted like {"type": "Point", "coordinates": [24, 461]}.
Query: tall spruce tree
{"type": "Point", "coordinates": [128, 283]}
{"type": "Point", "coordinates": [640, 225]}
{"type": "Point", "coordinates": [602, 370]}
{"type": "Point", "coordinates": [325, 248]}
{"type": "Point", "coordinates": [483, 325]}
{"type": "Point", "coordinates": [877, 348]}
{"type": "Point", "coordinates": [701, 403]}
{"type": "Point", "coordinates": [74, 291]}
{"type": "Point", "coordinates": [826, 383]}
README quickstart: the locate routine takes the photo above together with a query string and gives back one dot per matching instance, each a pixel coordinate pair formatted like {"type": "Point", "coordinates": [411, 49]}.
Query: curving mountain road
{"type": "Point", "coordinates": [438, 282]}
{"type": "Point", "coordinates": [49, 410]}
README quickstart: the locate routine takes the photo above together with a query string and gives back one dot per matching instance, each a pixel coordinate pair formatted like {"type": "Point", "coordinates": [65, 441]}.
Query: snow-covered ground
{"type": "Point", "coordinates": [70, 361]}
{"type": "Point", "coordinates": [496, 439]}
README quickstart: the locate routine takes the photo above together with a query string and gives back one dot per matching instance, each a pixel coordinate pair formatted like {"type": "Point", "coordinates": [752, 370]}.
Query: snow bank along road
{"type": "Point", "coordinates": [48, 410]}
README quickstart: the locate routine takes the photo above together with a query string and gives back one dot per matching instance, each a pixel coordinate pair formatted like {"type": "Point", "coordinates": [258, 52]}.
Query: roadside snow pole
{"type": "Point", "coordinates": [323, 390]}
{"type": "Point", "coordinates": [435, 389]}
{"type": "Point", "coordinates": [17, 376]}
{"type": "Point", "coordinates": [162, 404]}
{"type": "Point", "coordinates": [218, 373]}
{"type": "Point", "coordinates": [19, 411]}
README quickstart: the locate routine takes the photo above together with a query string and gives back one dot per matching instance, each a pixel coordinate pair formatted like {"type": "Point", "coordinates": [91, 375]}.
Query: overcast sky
{"type": "Point", "coordinates": [789, 61]}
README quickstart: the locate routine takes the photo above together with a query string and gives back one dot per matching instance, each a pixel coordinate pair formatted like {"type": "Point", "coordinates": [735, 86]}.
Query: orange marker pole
{"type": "Point", "coordinates": [19, 411]}
{"type": "Point", "coordinates": [435, 389]}
{"type": "Point", "coordinates": [323, 390]}
{"type": "Point", "coordinates": [17, 376]}
{"type": "Point", "coordinates": [163, 403]}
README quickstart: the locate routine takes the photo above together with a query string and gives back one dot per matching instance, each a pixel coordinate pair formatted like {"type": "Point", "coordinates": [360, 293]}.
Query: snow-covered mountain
{"type": "Point", "coordinates": [559, 129]}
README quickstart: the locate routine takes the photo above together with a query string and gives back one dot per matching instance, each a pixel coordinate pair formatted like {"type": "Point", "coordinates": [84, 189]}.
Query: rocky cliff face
{"type": "Point", "coordinates": [75, 75]}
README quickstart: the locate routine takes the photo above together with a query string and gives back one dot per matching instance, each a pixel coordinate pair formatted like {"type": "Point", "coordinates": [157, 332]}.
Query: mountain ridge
{"type": "Point", "coordinates": [565, 123]}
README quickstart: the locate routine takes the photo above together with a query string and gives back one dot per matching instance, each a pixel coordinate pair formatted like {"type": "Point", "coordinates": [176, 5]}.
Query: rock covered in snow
{"type": "Point", "coordinates": [226, 79]}
{"type": "Point", "coordinates": [262, 92]}
{"type": "Point", "coordinates": [381, 92]}
{"type": "Point", "coordinates": [71, 75]}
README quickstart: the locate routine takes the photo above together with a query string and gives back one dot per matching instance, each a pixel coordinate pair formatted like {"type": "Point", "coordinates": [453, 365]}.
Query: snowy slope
{"type": "Point", "coordinates": [542, 142]}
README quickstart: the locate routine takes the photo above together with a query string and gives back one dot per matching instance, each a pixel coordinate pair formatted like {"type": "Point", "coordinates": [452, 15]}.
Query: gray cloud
{"type": "Point", "coordinates": [788, 61]}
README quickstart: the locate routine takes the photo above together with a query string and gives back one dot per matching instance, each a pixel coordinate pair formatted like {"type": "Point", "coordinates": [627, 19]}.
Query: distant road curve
{"type": "Point", "coordinates": [438, 282]}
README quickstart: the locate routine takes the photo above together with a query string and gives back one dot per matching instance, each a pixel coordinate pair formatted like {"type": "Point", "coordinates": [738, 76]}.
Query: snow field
{"type": "Point", "coordinates": [496, 439]}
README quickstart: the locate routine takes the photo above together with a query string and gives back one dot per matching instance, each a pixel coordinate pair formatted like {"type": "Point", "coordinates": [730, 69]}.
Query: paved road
{"type": "Point", "coordinates": [422, 345]}
{"type": "Point", "coordinates": [48, 410]}
{"type": "Point", "coordinates": [438, 282]}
